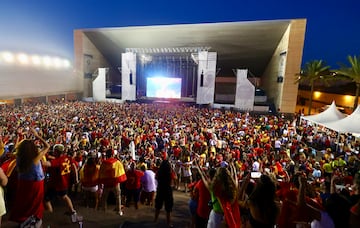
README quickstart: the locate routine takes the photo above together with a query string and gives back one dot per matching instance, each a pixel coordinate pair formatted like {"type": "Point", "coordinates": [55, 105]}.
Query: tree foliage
{"type": "Point", "coordinates": [313, 71]}
{"type": "Point", "coordinates": [352, 73]}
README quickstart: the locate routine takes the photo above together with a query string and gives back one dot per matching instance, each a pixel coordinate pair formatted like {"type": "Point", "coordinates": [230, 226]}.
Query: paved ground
{"type": "Point", "coordinates": [132, 218]}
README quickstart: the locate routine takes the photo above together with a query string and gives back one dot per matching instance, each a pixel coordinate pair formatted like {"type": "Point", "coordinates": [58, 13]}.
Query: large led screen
{"type": "Point", "coordinates": [161, 87]}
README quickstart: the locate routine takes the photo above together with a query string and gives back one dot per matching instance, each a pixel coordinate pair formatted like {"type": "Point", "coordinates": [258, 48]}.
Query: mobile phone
{"type": "Point", "coordinates": [255, 175]}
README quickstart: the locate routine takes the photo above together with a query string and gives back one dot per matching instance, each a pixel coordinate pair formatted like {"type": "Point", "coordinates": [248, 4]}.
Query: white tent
{"type": "Point", "coordinates": [329, 115]}
{"type": "Point", "coordinates": [350, 124]}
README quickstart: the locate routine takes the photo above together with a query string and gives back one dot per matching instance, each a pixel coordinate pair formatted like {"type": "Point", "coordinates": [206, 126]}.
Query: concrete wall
{"type": "Point", "coordinates": [87, 60]}
{"type": "Point", "coordinates": [293, 65]}
{"type": "Point", "coordinates": [284, 94]}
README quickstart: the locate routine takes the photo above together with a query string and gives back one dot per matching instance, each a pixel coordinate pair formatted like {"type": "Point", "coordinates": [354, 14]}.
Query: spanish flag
{"type": "Point", "coordinates": [112, 172]}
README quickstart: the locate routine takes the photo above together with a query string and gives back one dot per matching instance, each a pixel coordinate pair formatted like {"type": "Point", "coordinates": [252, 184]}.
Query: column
{"type": "Point", "coordinates": [245, 91]}
{"type": "Point", "coordinates": [206, 77]}
{"type": "Point", "coordinates": [99, 85]}
{"type": "Point", "coordinates": [128, 76]}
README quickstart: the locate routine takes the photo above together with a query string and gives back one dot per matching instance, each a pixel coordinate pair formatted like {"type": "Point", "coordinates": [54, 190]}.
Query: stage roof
{"type": "Point", "coordinates": [247, 44]}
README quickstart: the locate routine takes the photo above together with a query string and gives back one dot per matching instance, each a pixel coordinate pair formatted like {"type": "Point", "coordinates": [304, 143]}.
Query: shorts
{"type": "Point", "coordinates": [147, 197]}
{"type": "Point", "coordinates": [52, 194]}
{"type": "Point", "coordinates": [215, 219]}
{"type": "Point", "coordinates": [187, 179]}
{"type": "Point", "coordinates": [91, 189]}
{"type": "Point", "coordinates": [164, 197]}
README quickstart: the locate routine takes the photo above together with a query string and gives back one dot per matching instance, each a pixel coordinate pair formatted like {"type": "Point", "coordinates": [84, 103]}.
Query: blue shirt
{"type": "Point", "coordinates": [35, 173]}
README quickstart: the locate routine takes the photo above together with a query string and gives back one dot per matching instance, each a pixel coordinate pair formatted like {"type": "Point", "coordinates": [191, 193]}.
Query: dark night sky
{"type": "Point", "coordinates": [46, 26]}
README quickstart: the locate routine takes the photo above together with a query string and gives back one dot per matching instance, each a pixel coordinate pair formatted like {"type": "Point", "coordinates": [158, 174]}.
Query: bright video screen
{"type": "Point", "coordinates": [162, 87]}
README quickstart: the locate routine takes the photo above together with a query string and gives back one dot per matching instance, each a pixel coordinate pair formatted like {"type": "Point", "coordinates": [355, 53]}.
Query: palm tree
{"type": "Point", "coordinates": [352, 73]}
{"type": "Point", "coordinates": [314, 70]}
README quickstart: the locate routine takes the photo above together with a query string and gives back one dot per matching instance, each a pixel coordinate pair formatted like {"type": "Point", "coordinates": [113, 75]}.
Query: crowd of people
{"type": "Point", "coordinates": [240, 169]}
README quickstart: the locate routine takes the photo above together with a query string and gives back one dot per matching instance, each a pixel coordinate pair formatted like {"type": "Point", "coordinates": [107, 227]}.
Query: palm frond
{"type": "Point", "coordinates": [314, 70]}
{"type": "Point", "coordinates": [351, 72]}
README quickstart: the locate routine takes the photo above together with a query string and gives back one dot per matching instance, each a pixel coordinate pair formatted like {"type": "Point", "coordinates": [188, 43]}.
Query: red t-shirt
{"type": "Point", "coordinates": [177, 151]}
{"type": "Point", "coordinates": [203, 209]}
{"type": "Point", "coordinates": [60, 174]}
{"type": "Point", "coordinates": [133, 179]}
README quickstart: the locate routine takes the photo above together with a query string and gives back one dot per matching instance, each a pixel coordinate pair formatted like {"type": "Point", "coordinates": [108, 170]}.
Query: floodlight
{"type": "Point", "coordinates": [57, 62]}
{"type": "Point", "coordinates": [23, 59]}
{"type": "Point", "coordinates": [46, 60]}
{"type": "Point", "coordinates": [66, 63]}
{"type": "Point", "coordinates": [35, 60]}
{"type": "Point", "coordinates": [8, 57]}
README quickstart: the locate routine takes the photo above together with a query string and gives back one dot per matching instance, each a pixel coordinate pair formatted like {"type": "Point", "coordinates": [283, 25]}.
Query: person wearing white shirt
{"type": "Point", "coordinates": [132, 148]}
{"type": "Point", "coordinates": [149, 184]}
{"type": "Point", "coordinates": [256, 166]}
{"type": "Point", "coordinates": [277, 145]}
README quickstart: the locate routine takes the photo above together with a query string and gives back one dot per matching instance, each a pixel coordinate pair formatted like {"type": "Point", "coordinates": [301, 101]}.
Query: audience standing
{"type": "Point", "coordinates": [164, 192]}
{"type": "Point", "coordinates": [30, 185]}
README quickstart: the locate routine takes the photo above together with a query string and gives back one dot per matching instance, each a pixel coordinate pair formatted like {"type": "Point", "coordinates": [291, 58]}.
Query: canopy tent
{"type": "Point", "coordinates": [331, 114]}
{"type": "Point", "coordinates": [350, 124]}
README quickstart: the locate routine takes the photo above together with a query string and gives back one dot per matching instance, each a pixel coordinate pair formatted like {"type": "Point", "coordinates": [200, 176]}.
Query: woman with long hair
{"type": "Point", "coordinates": [223, 190]}
{"type": "Point", "coordinates": [28, 204]}
{"type": "Point", "coordinates": [262, 207]}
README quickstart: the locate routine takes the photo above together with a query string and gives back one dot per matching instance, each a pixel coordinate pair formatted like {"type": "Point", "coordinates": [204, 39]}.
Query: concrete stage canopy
{"type": "Point", "coordinates": [268, 49]}
{"type": "Point", "coordinates": [248, 44]}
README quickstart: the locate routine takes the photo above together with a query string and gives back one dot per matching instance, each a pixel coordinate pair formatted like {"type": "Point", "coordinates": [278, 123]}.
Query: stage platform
{"type": "Point", "coordinates": [191, 101]}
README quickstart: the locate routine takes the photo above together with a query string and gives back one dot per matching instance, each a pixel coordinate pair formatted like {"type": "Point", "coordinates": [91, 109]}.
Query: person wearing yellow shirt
{"type": "Point", "coordinates": [328, 169]}
{"type": "Point", "coordinates": [341, 162]}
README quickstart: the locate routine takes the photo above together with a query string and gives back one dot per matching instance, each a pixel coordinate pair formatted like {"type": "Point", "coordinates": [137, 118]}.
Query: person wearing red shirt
{"type": "Point", "coordinates": [177, 152]}
{"type": "Point", "coordinates": [9, 168]}
{"type": "Point", "coordinates": [59, 178]}
{"type": "Point", "coordinates": [133, 185]}
{"type": "Point", "coordinates": [203, 197]}
{"type": "Point", "coordinates": [89, 179]}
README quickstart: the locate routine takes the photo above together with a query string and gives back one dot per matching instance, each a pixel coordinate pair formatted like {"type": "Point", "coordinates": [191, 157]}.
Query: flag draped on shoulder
{"type": "Point", "coordinates": [231, 213]}
{"type": "Point", "coordinates": [112, 172]}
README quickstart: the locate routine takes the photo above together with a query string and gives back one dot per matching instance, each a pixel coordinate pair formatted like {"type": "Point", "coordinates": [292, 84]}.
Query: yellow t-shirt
{"type": "Point", "coordinates": [327, 168]}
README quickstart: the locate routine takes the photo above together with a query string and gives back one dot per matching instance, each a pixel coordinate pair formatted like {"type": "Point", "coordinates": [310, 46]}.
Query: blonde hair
{"type": "Point", "coordinates": [223, 185]}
